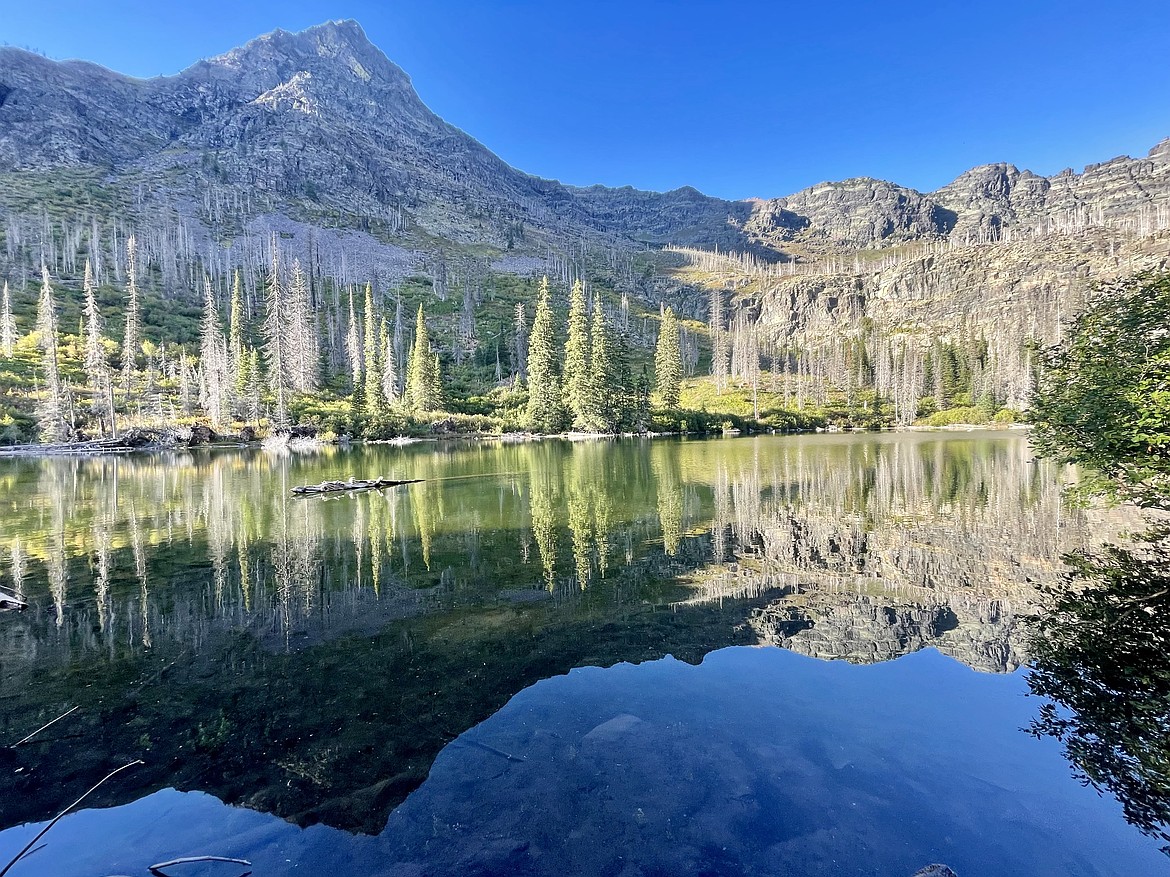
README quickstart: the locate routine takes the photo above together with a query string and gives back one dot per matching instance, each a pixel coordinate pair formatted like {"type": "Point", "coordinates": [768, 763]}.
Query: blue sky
{"type": "Point", "coordinates": [737, 99]}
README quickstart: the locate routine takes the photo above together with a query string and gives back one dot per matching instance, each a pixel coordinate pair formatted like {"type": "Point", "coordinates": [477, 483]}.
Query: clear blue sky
{"type": "Point", "coordinates": [735, 98]}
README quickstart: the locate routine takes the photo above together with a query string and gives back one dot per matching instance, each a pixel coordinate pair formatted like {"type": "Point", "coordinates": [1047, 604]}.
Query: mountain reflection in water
{"type": "Point", "coordinates": [310, 657]}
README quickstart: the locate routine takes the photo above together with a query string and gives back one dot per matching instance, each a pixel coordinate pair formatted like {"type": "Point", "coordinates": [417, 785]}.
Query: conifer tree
{"type": "Point", "coordinates": [600, 407]}
{"type": "Point", "coordinates": [372, 391]}
{"type": "Point", "coordinates": [389, 365]}
{"type": "Point", "coordinates": [423, 382]}
{"type": "Point", "coordinates": [97, 373]}
{"type": "Point", "coordinates": [53, 407]}
{"type": "Point", "coordinates": [668, 361]}
{"type": "Point", "coordinates": [575, 380]}
{"type": "Point", "coordinates": [213, 360]}
{"type": "Point", "coordinates": [544, 413]}
{"type": "Point", "coordinates": [8, 333]}
{"type": "Point", "coordinates": [398, 339]}
{"type": "Point", "coordinates": [274, 332]}
{"type": "Point", "coordinates": [132, 337]}
{"type": "Point", "coordinates": [520, 344]}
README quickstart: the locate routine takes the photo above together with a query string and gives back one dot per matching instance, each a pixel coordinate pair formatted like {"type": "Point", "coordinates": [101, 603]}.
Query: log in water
{"type": "Point", "coordinates": [344, 486]}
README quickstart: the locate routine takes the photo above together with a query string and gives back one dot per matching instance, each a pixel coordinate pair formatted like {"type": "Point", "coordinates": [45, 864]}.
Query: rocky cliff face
{"type": "Point", "coordinates": [849, 215]}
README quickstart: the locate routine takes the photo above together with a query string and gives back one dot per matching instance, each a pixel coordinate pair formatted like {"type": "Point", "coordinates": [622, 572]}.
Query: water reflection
{"type": "Point", "coordinates": [311, 656]}
{"type": "Point", "coordinates": [1100, 656]}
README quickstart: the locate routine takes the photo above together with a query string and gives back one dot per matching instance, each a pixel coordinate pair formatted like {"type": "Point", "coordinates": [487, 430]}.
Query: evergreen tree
{"type": "Point", "coordinates": [132, 337]}
{"type": "Point", "coordinates": [520, 346]}
{"type": "Point", "coordinates": [239, 357]}
{"type": "Point", "coordinates": [668, 361]}
{"type": "Point", "coordinates": [372, 391]}
{"type": "Point", "coordinates": [423, 382]}
{"type": "Point", "coordinates": [398, 339]}
{"type": "Point", "coordinates": [274, 332]}
{"type": "Point", "coordinates": [8, 333]}
{"type": "Point", "coordinates": [389, 365]}
{"type": "Point", "coordinates": [94, 359]}
{"type": "Point", "coordinates": [575, 381]}
{"type": "Point", "coordinates": [544, 412]}
{"type": "Point", "coordinates": [53, 407]}
{"type": "Point", "coordinates": [213, 360]}
{"type": "Point", "coordinates": [600, 407]}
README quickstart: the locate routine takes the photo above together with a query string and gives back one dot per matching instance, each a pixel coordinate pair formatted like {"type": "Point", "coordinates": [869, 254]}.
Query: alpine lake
{"type": "Point", "coordinates": [774, 655]}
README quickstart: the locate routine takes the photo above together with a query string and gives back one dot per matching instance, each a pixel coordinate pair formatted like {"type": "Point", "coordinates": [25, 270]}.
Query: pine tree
{"type": "Point", "coordinates": [274, 332]}
{"type": "Point", "coordinates": [544, 412]}
{"type": "Point", "coordinates": [239, 352]}
{"type": "Point", "coordinates": [423, 382]}
{"type": "Point", "coordinates": [389, 365]}
{"type": "Point", "coordinates": [520, 345]}
{"type": "Point", "coordinates": [372, 391]}
{"type": "Point", "coordinates": [8, 333]}
{"type": "Point", "coordinates": [600, 407]}
{"type": "Point", "coordinates": [53, 407]}
{"type": "Point", "coordinates": [132, 337]}
{"type": "Point", "coordinates": [575, 382]}
{"type": "Point", "coordinates": [213, 360]}
{"type": "Point", "coordinates": [399, 341]}
{"type": "Point", "coordinates": [668, 361]}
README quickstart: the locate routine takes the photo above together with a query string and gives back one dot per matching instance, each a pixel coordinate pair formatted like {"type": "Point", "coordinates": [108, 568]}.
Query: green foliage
{"type": "Point", "coordinates": [424, 391]}
{"type": "Point", "coordinates": [372, 390]}
{"type": "Point", "coordinates": [953, 416]}
{"type": "Point", "coordinates": [576, 382]}
{"type": "Point", "coordinates": [605, 401]}
{"type": "Point", "coordinates": [1103, 398]}
{"type": "Point", "coordinates": [668, 361]}
{"type": "Point", "coordinates": [545, 413]}
{"type": "Point", "coordinates": [1099, 655]}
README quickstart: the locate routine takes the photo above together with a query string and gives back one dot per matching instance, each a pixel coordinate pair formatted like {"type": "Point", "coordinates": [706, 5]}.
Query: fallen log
{"type": "Point", "coordinates": [345, 486]}
{"type": "Point", "coordinates": [10, 601]}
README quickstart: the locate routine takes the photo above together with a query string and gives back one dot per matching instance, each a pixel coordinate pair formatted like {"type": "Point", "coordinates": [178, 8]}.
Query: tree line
{"type": "Point", "coordinates": [279, 365]}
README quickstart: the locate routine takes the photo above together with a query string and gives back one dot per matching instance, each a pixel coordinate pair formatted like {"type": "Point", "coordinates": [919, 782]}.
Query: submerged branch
{"type": "Point", "coordinates": [28, 847]}
{"type": "Point", "coordinates": [187, 860]}
{"type": "Point", "coordinates": [46, 725]}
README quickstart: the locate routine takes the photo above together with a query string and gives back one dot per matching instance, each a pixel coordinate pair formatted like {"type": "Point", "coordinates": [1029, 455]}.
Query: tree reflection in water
{"type": "Point", "coordinates": [1101, 654]}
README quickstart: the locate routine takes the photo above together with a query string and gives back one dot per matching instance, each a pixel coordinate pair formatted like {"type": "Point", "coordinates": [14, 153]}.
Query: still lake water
{"type": "Point", "coordinates": [543, 658]}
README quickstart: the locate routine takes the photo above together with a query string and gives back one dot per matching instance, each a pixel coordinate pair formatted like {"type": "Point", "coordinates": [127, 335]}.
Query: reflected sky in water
{"type": "Point", "coordinates": [757, 761]}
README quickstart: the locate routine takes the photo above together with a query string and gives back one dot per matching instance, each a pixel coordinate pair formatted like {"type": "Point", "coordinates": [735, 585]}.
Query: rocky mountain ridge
{"type": "Point", "coordinates": [321, 122]}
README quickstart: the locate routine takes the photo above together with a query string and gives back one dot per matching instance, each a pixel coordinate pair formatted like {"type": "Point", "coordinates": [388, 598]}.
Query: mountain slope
{"type": "Point", "coordinates": [319, 118]}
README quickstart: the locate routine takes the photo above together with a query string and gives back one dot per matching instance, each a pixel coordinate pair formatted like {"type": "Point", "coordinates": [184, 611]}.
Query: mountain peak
{"type": "Point", "coordinates": [342, 41]}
